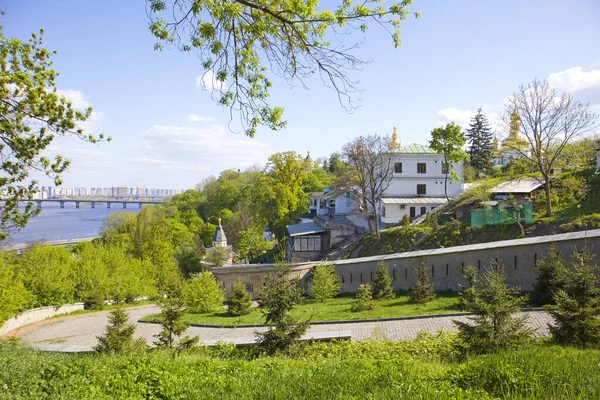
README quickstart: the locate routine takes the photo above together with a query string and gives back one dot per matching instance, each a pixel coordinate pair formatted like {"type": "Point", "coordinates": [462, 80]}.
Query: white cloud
{"type": "Point", "coordinates": [453, 114]}
{"type": "Point", "coordinates": [208, 81]}
{"type": "Point", "coordinates": [198, 118]}
{"type": "Point", "coordinates": [80, 102]}
{"type": "Point", "coordinates": [574, 79]}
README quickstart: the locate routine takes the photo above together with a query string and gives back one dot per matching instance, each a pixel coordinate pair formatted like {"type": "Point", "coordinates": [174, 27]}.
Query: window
{"type": "Point", "coordinates": [398, 168]}
{"type": "Point", "coordinates": [307, 243]}
{"type": "Point", "coordinates": [421, 168]}
{"type": "Point", "coordinates": [421, 189]}
{"type": "Point", "coordinates": [445, 168]}
{"type": "Point", "coordinates": [402, 206]}
{"type": "Point", "coordinates": [423, 210]}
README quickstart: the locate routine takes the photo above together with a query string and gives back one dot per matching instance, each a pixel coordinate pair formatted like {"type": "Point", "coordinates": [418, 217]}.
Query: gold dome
{"type": "Point", "coordinates": [395, 143]}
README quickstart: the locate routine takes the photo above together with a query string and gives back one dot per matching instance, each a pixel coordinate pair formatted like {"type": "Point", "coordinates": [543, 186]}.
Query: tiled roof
{"type": "Point", "coordinates": [414, 149]}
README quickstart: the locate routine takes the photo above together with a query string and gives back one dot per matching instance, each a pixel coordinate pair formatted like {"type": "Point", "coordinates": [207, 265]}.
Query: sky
{"type": "Point", "coordinates": [168, 133]}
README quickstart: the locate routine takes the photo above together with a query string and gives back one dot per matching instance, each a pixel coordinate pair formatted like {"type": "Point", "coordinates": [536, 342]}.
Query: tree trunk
{"type": "Point", "coordinates": [376, 216]}
{"type": "Point", "coordinates": [548, 201]}
{"type": "Point", "coordinates": [446, 187]}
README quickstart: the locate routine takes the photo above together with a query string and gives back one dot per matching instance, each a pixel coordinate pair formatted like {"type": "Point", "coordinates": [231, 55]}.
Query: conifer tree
{"type": "Point", "coordinates": [240, 301]}
{"type": "Point", "coordinates": [382, 284]}
{"type": "Point", "coordinates": [468, 295]}
{"type": "Point", "coordinates": [481, 143]}
{"type": "Point", "coordinates": [119, 335]}
{"type": "Point", "coordinates": [172, 311]}
{"type": "Point", "coordinates": [549, 278]}
{"type": "Point", "coordinates": [326, 284]}
{"type": "Point", "coordinates": [577, 314]}
{"type": "Point", "coordinates": [423, 292]}
{"type": "Point", "coordinates": [364, 298]}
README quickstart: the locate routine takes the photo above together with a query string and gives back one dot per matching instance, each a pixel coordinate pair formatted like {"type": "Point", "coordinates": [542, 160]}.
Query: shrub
{"type": "Point", "coordinates": [469, 294]}
{"type": "Point", "coordinates": [240, 302]}
{"type": "Point", "coordinates": [172, 311]}
{"type": "Point", "coordinates": [203, 294]}
{"type": "Point", "coordinates": [493, 326]}
{"type": "Point", "coordinates": [326, 284]}
{"type": "Point", "coordinates": [382, 284]}
{"type": "Point", "coordinates": [405, 220]}
{"type": "Point", "coordinates": [119, 335]}
{"type": "Point", "coordinates": [15, 297]}
{"type": "Point", "coordinates": [216, 256]}
{"type": "Point", "coordinates": [577, 320]}
{"type": "Point", "coordinates": [278, 298]}
{"type": "Point", "coordinates": [549, 278]}
{"type": "Point", "coordinates": [364, 298]}
{"type": "Point", "coordinates": [423, 292]}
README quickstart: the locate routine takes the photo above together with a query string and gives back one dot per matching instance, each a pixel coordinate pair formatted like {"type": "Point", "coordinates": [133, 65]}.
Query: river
{"type": "Point", "coordinates": [55, 223]}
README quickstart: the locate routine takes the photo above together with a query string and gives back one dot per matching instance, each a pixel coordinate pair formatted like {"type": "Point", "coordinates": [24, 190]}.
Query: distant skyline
{"type": "Point", "coordinates": [167, 132]}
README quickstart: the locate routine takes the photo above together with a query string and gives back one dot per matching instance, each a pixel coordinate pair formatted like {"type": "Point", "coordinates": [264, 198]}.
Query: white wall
{"type": "Point", "coordinates": [394, 214]}
{"type": "Point", "coordinates": [36, 315]}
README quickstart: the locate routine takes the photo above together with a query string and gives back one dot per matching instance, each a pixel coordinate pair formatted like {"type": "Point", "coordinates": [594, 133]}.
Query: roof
{"type": "Point", "coordinates": [304, 229]}
{"type": "Point", "coordinates": [521, 185]}
{"type": "Point", "coordinates": [413, 200]}
{"type": "Point", "coordinates": [317, 194]}
{"type": "Point", "coordinates": [414, 149]}
{"type": "Point", "coordinates": [219, 234]}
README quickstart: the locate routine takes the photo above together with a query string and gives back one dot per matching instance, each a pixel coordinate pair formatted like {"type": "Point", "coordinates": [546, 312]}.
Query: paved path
{"type": "Point", "coordinates": [78, 333]}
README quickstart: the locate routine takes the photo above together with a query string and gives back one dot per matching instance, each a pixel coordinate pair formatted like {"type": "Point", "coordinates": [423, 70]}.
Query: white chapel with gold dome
{"type": "Point", "coordinates": [514, 146]}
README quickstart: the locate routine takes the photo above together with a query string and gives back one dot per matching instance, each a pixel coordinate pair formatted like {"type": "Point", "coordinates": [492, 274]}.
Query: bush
{"type": "Point", "coordinates": [119, 335]}
{"type": "Point", "coordinates": [382, 284]}
{"type": "Point", "coordinates": [549, 278]}
{"type": "Point", "coordinates": [326, 284]}
{"type": "Point", "coordinates": [423, 292]}
{"type": "Point", "coordinates": [203, 294]}
{"type": "Point", "coordinates": [364, 298]}
{"type": "Point", "coordinates": [278, 298]}
{"type": "Point", "coordinates": [240, 302]}
{"type": "Point", "coordinates": [405, 220]}
{"type": "Point", "coordinates": [468, 295]}
{"type": "Point", "coordinates": [493, 327]}
{"type": "Point", "coordinates": [216, 256]}
{"type": "Point", "coordinates": [15, 297]}
{"type": "Point", "coordinates": [577, 320]}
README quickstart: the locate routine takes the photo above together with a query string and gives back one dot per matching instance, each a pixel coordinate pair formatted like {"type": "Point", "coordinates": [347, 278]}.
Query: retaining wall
{"type": "Point", "coordinates": [517, 257]}
{"type": "Point", "coordinates": [36, 315]}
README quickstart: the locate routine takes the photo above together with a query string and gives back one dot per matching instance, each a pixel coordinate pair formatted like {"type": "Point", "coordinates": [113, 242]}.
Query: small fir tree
{"type": "Point", "coordinates": [405, 220]}
{"type": "Point", "coordinates": [577, 313]}
{"type": "Point", "coordinates": [493, 327]}
{"type": "Point", "coordinates": [119, 335]}
{"type": "Point", "coordinates": [423, 292]}
{"type": "Point", "coordinates": [326, 284]}
{"type": "Point", "coordinates": [240, 302]}
{"type": "Point", "coordinates": [172, 311]}
{"type": "Point", "coordinates": [277, 300]}
{"type": "Point", "coordinates": [364, 298]}
{"type": "Point", "coordinates": [382, 284]}
{"type": "Point", "coordinates": [203, 294]}
{"type": "Point", "coordinates": [549, 278]}
{"type": "Point", "coordinates": [468, 295]}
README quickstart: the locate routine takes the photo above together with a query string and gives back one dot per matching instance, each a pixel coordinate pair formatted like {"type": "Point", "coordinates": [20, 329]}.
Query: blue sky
{"type": "Point", "coordinates": [167, 132]}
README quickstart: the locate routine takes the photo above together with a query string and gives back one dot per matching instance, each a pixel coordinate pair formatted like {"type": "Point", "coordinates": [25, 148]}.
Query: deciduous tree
{"type": "Point", "coordinates": [449, 141]}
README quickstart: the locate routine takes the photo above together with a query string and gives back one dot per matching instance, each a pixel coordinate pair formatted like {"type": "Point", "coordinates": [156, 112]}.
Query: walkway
{"type": "Point", "coordinates": [78, 333]}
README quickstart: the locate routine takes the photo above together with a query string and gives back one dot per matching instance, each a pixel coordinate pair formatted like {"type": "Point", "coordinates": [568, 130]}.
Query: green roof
{"type": "Point", "coordinates": [414, 149]}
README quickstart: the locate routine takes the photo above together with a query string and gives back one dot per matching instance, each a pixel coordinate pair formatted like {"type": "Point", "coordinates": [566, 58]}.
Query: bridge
{"type": "Point", "coordinates": [93, 202]}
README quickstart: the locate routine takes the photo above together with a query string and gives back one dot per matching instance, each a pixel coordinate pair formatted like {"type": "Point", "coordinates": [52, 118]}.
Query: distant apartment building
{"type": "Point", "coordinates": [83, 192]}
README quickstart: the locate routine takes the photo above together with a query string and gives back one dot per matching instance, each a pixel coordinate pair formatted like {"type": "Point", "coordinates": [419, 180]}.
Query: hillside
{"type": "Point", "coordinates": [569, 190]}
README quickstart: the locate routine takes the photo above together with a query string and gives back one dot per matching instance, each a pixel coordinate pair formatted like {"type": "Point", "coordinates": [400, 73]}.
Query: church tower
{"type": "Point", "coordinates": [395, 143]}
{"type": "Point", "coordinates": [219, 239]}
{"type": "Point", "coordinates": [515, 123]}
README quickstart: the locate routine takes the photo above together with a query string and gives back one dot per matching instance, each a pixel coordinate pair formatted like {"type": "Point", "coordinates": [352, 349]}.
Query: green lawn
{"type": "Point", "coordinates": [106, 308]}
{"type": "Point", "coordinates": [335, 310]}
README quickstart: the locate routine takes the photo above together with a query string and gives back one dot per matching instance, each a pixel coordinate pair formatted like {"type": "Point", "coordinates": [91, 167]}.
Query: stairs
{"type": "Point", "coordinates": [338, 252]}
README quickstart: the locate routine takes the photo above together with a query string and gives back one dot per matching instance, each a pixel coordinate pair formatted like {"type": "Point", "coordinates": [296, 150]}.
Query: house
{"type": "Point", "coordinates": [514, 146]}
{"type": "Point", "coordinates": [307, 241]}
{"type": "Point", "coordinates": [417, 183]}
{"type": "Point", "coordinates": [520, 189]}
{"type": "Point", "coordinates": [331, 202]}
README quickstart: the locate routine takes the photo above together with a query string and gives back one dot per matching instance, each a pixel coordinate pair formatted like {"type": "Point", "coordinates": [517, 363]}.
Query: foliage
{"type": "Point", "coordinates": [33, 111]}
{"type": "Point", "coordinates": [423, 292]}
{"type": "Point", "coordinates": [236, 43]}
{"type": "Point", "coordinates": [449, 141]}
{"type": "Point", "coordinates": [468, 294]}
{"type": "Point", "coordinates": [469, 173]}
{"type": "Point", "coordinates": [240, 302]}
{"type": "Point", "coordinates": [481, 145]}
{"type": "Point", "coordinates": [364, 298]}
{"type": "Point", "coordinates": [15, 297]}
{"type": "Point", "coordinates": [279, 296]}
{"type": "Point", "coordinates": [172, 310]}
{"type": "Point", "coordinates": [405, 220]}
{"type": "Point", "coordinates": [576, 316]}
{"type": "Point", "coordinates": [203, 293]}
{"type": "Point", "coordinates": [252, 243]}
{"type": "Point", "coordinates": [325, 282]}
{"type": "Point", "coordinates": [216, 256]}
{"type": "Point", "coordinates": [382, 284]}
{"type": "Point", "coordinates": [119, 335]}
{"type": "Point", "coordinates": [493, 327]}
{"type": "Point", "coordinates": [46, 273]}
{"type": "Point", "coordinates": [549, 278]}
{"type": "Point", "coordinates": [548, 122]}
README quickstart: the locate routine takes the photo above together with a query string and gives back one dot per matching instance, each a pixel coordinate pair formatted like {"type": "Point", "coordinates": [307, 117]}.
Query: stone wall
{"type": "Point", "coordinates": [36, 315]}
{"type": "Point", "coordinates": [517, 257]}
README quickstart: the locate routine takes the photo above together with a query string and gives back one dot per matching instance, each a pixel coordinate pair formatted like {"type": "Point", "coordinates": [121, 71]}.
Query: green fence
{"type": "Point", "coordinates": [506, 216]}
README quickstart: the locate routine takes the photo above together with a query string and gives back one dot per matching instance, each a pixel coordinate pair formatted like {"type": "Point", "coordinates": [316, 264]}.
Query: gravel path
{"type": "Point", "coordinates": [78, 333]}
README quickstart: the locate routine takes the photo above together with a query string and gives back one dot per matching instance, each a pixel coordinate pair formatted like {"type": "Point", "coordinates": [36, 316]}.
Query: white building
{"type": "Point", "coordinates": [417, 184]}
{"type": "Point", "coordinates": [330, 202]}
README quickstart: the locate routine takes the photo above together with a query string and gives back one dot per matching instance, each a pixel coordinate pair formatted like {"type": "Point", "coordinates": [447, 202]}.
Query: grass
{"type": "Point", "coordinates": [425, 368]}
{"type": "Point", "coordinates": [106, 308]}
{"type": "Point", "coordinates": [334, 310]}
